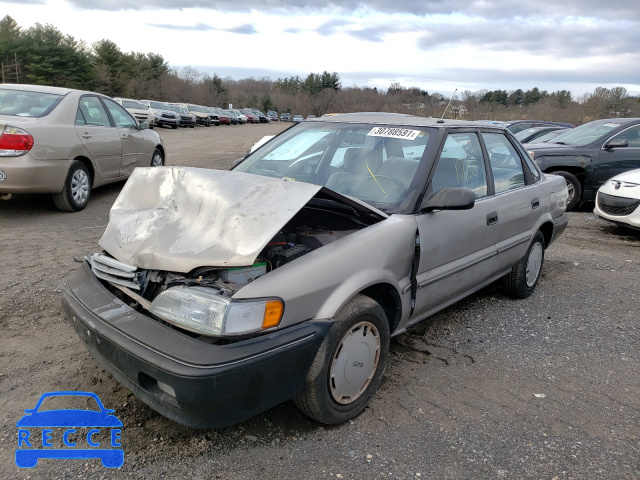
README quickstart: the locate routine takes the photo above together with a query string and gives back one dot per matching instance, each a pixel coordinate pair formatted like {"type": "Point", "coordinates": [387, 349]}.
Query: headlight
{"type": "Point", "coordinates": [202, 310]}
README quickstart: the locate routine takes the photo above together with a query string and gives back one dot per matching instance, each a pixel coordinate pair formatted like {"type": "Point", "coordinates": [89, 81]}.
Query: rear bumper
{"type": "Point", "coordinates": [559, 226]}
{"type": "Point", "coordinates": [24, 174]}
{"type": "Point", "coordinates": [189, 381]}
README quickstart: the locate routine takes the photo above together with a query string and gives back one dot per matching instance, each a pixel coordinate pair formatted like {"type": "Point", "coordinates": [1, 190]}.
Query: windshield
{"type": "Point", "coordinates": [548, 136]}
{"type": "Point", "coordinates": [22, 103]}
{"type": "Point", "coordinates": [587, 133]}
{"type": "Point", "coordinates": [375, 164]}
{"type": "Point", "coordinates": [159, 105]}
{"type": "Point", "coordinates": [134, 104]}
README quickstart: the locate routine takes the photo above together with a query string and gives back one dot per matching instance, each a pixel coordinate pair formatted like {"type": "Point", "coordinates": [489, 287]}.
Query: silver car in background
{"type": "Point", "coordinates": [286, 277]}
{"type": "Point", "coordinates": [67, 142]}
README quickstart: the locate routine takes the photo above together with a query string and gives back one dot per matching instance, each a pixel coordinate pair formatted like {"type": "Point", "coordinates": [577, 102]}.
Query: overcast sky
{"type": "Point", "coordinates": [437, 45]}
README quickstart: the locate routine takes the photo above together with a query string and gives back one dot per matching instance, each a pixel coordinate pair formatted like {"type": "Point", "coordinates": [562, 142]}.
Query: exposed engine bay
{"type": "Point", "coordinates": [320, 222]}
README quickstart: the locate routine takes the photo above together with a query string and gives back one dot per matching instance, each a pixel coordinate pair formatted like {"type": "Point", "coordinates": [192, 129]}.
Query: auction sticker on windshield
{"type": "Point", "coordinates": [82, 429]}
{"type": "Point", "coordinates": [391, 132]}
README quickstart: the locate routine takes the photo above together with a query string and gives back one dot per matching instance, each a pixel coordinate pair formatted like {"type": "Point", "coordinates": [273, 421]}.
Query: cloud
{"type": "Point", "coordinates": [246, 29]}
{"type": "Point", "coordinates": [491, 9]}
{"type": "Point", "coordinates": [564, 41]}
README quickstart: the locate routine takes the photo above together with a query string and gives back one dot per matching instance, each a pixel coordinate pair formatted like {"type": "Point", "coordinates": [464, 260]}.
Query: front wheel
{"type": "Point", "coordinates": [76, 190]}
{"type": "Point", "coordinates": [349, 364]}
{"type": "Point", "coordinates": [524, 276]}
{"type": "Point", "coordinates": [157, 160]}
{"type": "Point", "coordinates": [573, 186]}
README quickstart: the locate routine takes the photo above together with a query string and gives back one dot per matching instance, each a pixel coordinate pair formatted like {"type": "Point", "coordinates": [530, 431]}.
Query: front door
{"type": "Point", "coordinates": [457, 247]}
{"type": "Point", "coordinates": [614, 161]}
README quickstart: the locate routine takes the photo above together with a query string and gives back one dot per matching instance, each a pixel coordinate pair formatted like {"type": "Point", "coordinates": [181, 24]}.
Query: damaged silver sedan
{"type": "Point", "coordinates": [221, 294]}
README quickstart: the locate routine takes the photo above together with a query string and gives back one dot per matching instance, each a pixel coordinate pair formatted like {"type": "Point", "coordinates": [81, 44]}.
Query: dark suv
{"type": "Point", "coordinates": [589, 155]}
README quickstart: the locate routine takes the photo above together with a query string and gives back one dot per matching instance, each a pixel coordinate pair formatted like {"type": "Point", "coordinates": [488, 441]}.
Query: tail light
{"type": "Point", "coordinates": [15, 142]}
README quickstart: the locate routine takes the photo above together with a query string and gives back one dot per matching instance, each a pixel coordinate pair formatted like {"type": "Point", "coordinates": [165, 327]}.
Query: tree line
{"type": "Point", "coordinates": [43, 55]}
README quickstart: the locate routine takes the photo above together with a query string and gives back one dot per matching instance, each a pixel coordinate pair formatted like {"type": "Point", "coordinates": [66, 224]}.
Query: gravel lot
{"type": "Point", "coordinates": [547, 387]}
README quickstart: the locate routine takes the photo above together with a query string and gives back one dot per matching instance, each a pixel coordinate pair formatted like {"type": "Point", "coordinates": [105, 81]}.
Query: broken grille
{"type": "Point", "coordinates": [113, 271]}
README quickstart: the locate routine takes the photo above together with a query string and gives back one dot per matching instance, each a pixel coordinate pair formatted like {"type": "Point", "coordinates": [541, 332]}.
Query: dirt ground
{"type": "Point", "coordinates": [547, 387]}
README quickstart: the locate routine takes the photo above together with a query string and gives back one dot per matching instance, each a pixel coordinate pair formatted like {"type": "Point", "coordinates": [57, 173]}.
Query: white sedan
{"type": "Point", "coordinates": [619, 198]}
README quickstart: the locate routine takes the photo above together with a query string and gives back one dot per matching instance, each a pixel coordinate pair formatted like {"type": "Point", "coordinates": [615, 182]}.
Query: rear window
{"type": "Point", "coordinates": [23, 103]}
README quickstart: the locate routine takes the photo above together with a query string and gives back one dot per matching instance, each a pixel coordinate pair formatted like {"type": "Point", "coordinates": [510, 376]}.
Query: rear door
{"type": "Point", "coordinates": [99, 136]}
{"type": "Point", "coordinates": [135, 146]}
{"type": "Point", "coordinates": [517, 197]}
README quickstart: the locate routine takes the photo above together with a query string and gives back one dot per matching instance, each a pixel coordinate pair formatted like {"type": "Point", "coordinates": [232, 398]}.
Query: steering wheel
{"type": "Point", "coordinates": [398, 185]}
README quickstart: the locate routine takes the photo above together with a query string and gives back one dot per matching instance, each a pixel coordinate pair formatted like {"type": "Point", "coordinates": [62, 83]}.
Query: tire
{"type": "Point", "coordinates": [348, 367]}
{"type": "Point", "coordinates": [76, 191]}
{"type": "Point", "coordinates": [175, 127]}
{"type": "Point", "coordinates": [524, 276]}
{"type": "Point", "coordinates": [574, 187]}
{"type": "Point", "coordinates": [157, 159]}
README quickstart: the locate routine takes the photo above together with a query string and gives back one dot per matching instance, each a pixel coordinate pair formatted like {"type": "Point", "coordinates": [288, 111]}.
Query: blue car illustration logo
{"type": "Point", "coordinates": [81, 432]}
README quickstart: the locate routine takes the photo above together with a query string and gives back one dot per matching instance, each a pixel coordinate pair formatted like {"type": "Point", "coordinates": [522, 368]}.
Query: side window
{"type": "Point", "coordinates": [122, 118]}
{"type": "Point", "coordinates": [461, 165]}
{"type": "Point", "coordinates": [631, 135]}
{"type": "Point", "coordinates": [93, 112]}
{"type": "Point", "coordinates": [506, 164]}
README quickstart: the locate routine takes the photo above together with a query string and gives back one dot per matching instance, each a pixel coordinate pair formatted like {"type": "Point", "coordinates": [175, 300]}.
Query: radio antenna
{"type": "Point", "coordinates": [447, 107]}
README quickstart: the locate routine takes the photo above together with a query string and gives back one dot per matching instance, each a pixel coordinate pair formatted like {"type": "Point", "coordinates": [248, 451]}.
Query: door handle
{"type": "Point", "coordinates": [86, 135]}
{"type": "Point", "coordinates": [535, 203]}
{"type": "Point", "coordinates": [492, 218]}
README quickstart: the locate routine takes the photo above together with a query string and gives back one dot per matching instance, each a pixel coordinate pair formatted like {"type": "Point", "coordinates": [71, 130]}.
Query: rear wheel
{"type": "Point", "coordinates": [573, 186]}
{"type": "Point", "coordinates": [524, 276]}
{"type": "Point", "coordinates": [77, 189]}
{"type": "Point", "coordinates": [349, 364]}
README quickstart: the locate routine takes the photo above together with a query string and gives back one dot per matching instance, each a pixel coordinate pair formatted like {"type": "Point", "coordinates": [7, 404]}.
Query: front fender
{"type": "Point", "coordinates": [559, 162]}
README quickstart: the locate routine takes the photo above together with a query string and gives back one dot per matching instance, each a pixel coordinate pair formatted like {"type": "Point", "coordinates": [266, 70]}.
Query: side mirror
{"type": "Point", "coordinates": [144, 125]}
{"type": "Point", "coordinates": [449, 198]}
{"type": "Point", "coordinates": [617, 143]}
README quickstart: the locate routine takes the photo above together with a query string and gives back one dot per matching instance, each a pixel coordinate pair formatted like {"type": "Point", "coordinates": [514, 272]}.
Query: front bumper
{"type": "Point", "coordinates": [617, 209]}
{"type": "Point", "coordinates": [189, 381]}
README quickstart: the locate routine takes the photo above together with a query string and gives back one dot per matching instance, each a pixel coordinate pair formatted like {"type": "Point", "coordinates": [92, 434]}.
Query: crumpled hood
{"type": "Point", "coordinates": [180, 218]}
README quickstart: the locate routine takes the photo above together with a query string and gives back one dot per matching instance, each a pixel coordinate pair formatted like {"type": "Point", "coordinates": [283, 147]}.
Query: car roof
{"type": "Point", "coordinates": [43, 89]}
{"type": "Point", "coordinates": [398, 119]}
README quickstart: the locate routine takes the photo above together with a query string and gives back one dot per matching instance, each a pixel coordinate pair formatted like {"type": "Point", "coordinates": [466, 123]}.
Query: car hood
{"type": "Point", "coordinates": [555, 148]}
{"type": "Point", "coordinates": [180, 218]}
{"type": "Point", "coordinates": [632, 176]}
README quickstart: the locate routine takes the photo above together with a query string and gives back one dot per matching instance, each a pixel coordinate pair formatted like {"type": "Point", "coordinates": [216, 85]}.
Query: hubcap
{"type": "Point", "coordinates": [156, 161]}
{"type": "Point", "coordinates": [572, 191]}
{"type": "Point", "coordinates": [534, 264]}
{"type": "Point", "coordinates": [80, 186]}
{"type": "Point", "coordinates": [354, 363]}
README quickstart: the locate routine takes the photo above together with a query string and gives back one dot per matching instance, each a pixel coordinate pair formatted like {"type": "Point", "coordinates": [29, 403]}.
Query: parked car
{"type": "Point", "coordinates": [251, 116]}
{"type": "Point", "coordinates": [234, 117]}
{"type": "Point", "coordinates": [516, 126]}
{"type": "Point", "coordinates": [529, 135]}
{"type": "Point", "coordinates": [619, 198]}
{"type": "Point", "coordinates": [202, 116]}
{"type": "Point", "coordinates": [285, 117]}
{"type": "Point", "coordinates": [162, 113]}
{"type": "Point", "coordinates": [588, 155]}
{"type": "Point", "coordinates": [186, 119]}
{"type": "Point", "coordinates": [67, 142]}
{"type": "Point", "coordinates": [549, 135]}
{"type": "Point", "coordinates": [310, 116]}
{"type": "Point", "coordinates": [139, 110]}
{"type": "Point", "coordinates": [223, 117]}
{"type": "Point", "coordinates": [297, 118]}
{"type": "Point", "coordinates": [213, 115]}
{"type": "Point", "coordinates": [241, 116]}
{"type": "Point", "coordinates": [208, 312]}
{"type": "Point", "coordinates": [273, 115]}
{"type": "Point", "coordinates": [262, 118]}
